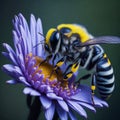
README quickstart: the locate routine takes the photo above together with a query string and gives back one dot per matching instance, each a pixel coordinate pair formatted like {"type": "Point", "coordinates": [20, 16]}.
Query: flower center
{"type": "Point", "coordinates": [47, 70]}
{"type": "Point", "coordinates": [43, 77]}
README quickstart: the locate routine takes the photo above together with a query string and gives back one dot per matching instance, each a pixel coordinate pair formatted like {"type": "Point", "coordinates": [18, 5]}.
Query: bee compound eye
{"type": "Point", "coordinates": [54, 40]}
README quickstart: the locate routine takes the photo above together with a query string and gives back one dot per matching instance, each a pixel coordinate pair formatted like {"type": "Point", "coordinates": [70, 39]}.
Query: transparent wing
{"type": "Point", "coordinates": [102, 40]}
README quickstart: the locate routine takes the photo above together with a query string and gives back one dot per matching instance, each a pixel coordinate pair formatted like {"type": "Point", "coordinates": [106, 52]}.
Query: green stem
{"type": "Point", "coordinates": [35, 108]}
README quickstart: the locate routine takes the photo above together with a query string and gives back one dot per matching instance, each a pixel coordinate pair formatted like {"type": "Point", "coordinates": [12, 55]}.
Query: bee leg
{"type": "Point", "coordinates": [46, 60]}
{"type": "Point", "coordinates": [73, 68]}
{"type": "Point", "coordinates": [83, 78]}
{"type": "Point", "coordinates": [93, 87]}
{"type": "Point", "coordinates": [58, 64]}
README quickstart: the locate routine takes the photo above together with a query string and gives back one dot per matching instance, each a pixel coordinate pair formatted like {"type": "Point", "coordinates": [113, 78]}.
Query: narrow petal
{"type": "Point", "coordinates": [31, 91]}
{"type": "Point", "coordinates": [6, 54]}
{"type": "Point", "coordinates": [10, 57]}
{"type": "Point", "coordinates": [8, 48]}
{"type": "Point", "coordinates": [23, 80]}
{"type": "Point", "coordinates": [49, 113]}
{"type": "Point", "coordinates": [15, 24]}
{"type": "Point", "coordinates": [21, 62]}
{"type": "Point", "coordinates": [99, 102]}
{"type": "Point", "coordinates": [12, 82]}
{"type": "Point", "coordinates": [62, 114]}
{"type": "Point", "coordinates": [12, 70]}
{"type": "Point", "coordinates": [46, 102]}
{"type": "Point", "coordinates": [23, 41]}
{"type": "Point", "coordinates": [25, 26]}
{"type": "Point", "coordinates": [54, 96]}
{"type": "Point", "coordinates": [75, 106]}
{"type": "Point", "coordinates": [85, 96]}
{"type": "Point", "coordinates": [40, 38]}
{"type": "Point", "coordinates": [16, 41]}
{"type": "Point", "coordinates": [63, 105]}
{"type": "Point", "coordinates": [33, 32]}
{"type": "Point", "coordinates": [13, 59]}
{"type": "Point", "coordinates": [87, 106]}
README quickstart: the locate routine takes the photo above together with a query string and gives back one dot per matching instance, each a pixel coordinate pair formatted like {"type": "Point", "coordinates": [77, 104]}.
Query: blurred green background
{"type": "Point", "coordinates": [101, 17]}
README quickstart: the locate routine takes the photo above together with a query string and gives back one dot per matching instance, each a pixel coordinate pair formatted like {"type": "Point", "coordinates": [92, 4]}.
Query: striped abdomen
{"type": "Point", "coordinates": [104, 77]}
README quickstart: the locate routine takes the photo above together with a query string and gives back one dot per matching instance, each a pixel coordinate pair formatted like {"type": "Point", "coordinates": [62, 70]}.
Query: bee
{"type": "Point", "coordinates": [75, 45]}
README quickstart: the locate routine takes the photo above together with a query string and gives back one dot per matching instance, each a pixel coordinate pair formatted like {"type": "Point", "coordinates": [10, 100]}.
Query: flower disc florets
{"type": "Point", "coordinates": [42, 73]}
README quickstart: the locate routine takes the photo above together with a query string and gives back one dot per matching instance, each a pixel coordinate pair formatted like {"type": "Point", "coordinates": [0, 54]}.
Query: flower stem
{"type": "Point", "coordinates": [56, 117]}
{"type": "Point", "coordinates": [35, 108]}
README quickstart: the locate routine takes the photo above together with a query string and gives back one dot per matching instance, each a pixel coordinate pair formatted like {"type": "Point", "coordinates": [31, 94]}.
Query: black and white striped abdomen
{"type": "Point", "coordinates": [104, 77]}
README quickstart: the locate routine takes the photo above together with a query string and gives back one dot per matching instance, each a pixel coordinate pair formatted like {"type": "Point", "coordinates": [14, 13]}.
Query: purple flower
{"type": "Point", "coordinates": [55, 95]}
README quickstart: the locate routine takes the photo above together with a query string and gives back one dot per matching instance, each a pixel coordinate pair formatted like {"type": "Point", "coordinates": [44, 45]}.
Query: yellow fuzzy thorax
{"type": "Point", "coordinates": [84, 36]}
{"type": "Point", "coordinates": [80, 31]}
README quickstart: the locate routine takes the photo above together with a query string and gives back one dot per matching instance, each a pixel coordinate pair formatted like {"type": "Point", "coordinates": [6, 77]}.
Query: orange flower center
{"type": "Point", "coordinates": [48, 71]}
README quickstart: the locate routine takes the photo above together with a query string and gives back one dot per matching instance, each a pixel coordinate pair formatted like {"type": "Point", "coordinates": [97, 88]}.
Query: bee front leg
{"type": "Point", "coordinates": [58, 64]}
{"type": "Point", "coordinates": [71, 69]}
{"type": "Point", "coordinates": [46, 60]}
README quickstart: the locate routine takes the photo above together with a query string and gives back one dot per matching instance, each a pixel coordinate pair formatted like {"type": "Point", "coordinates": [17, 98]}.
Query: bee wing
{"type": "Point", "coordinates": [102, 40]}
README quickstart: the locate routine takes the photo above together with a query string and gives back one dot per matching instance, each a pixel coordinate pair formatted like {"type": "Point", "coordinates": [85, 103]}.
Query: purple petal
{"type": "Point", "coordinates": [40, 38]}
{"type": "Point", "coordinates": [16, 41]}
{"type": "Point", "coordinates": [84, 94]}
{"type": "Point", "coordinates": [46, 102]}
{"type": "Point", "coordinates": [31, 91]}
{"type": "Point", "coordinates": [42, 88]}
{"type": "Point", "coordinates": [25, 26]}
{"type": "Point", "coordinates": [63, 105]}
{"type": "Point", "coordinates": [50, 112]}
{"type": "Point", "coordinates": [100, 103]}
{"type": "Point", "coordinates": [33, 31]}
{"type": "Point", "coordinates": [23, 22]}
{"type": "Point", "coordinates": [8, 48]}
{"type": "Point", "coordinates": [6, 55]}
{"type": "Point", "coordinates": [11, 54]}
{"type": "Point", "coordinates": [54, 96]}
{"type": "Point", "coordinates": [15, 23]}
{"type": "Point", "coordinates": [87, 106]}
{"type": "Point", "coordinates": [10, 57]}
{"type": "Point", "coordinates": [12, 82]}
{"type": "Point", "coordinates": [75, 106]}
{"type": "Point", "coordinates": [62, 114]}
{"type": "Point", "coordinates": [23, 80]}
{"type": "Point", "coordinates": [23, 41]}
{"type": "Point", "coordinates": [13, 59]}
{"type": "Point", "coordinates": [21, 62]}
{"type": "Point", "coordinates": [12, 70]}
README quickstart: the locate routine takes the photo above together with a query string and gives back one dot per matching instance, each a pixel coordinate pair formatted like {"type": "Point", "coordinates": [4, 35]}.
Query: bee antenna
{"type": "Point", "coordinates": [42, 35]}
{"type": "Point", "coordinates": [41, 42]}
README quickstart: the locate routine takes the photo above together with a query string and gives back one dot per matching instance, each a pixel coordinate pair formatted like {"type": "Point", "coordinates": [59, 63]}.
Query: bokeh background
{"type": "Point", "coordinates": [101, 17]}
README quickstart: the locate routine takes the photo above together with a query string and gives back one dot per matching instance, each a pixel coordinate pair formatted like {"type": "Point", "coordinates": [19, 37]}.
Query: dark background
{"type": "Point", "coordinates": [101, 17]}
